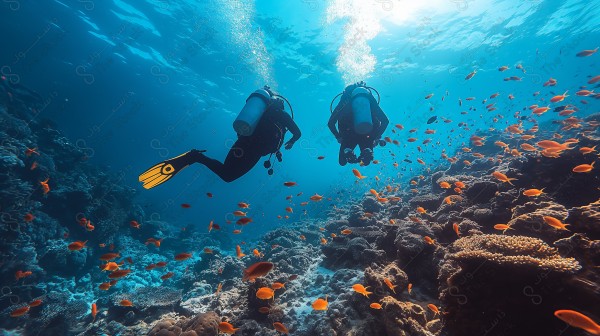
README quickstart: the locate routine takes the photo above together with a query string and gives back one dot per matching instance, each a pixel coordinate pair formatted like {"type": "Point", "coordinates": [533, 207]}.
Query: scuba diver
{"type": "Point", "coordinates": [360, 122]}
{"type": "Point", "coordinates": [260, 126]}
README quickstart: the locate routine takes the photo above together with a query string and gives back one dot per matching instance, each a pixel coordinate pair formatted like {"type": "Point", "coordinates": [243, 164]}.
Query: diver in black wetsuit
{"type": "Point", "coordinates": [365, 133]}
{"type": "Point", "coordinates": [266, 138]}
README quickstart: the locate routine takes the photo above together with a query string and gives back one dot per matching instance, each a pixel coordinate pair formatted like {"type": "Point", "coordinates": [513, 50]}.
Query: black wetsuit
{"type": "Point", "coordinates": [342, 114]}
{"type": "Point", "coordinates": [267, 138]}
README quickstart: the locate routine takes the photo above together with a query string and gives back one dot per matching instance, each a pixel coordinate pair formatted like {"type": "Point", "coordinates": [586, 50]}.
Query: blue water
{"type": "Point", "coordinates": [135, 82]}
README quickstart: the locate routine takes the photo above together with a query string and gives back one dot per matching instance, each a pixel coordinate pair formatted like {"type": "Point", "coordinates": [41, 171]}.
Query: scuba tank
{"type": "Point", "coordinates": [250, 115]}
{"type": "Point", "coordinates": [361, 110]}
{"type": "Point", "coordinates": [255, 107]}
{"type": "Point", "coordinates": [361, 107]}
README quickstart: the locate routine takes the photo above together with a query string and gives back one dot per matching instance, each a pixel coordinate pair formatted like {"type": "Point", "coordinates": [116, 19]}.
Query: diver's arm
{"type": "Point", "coordinates": [384, 122]}
{"type": "Point", "coordinates": [333, 119]}
{"type": "Point", "coordinates": [290, 124]}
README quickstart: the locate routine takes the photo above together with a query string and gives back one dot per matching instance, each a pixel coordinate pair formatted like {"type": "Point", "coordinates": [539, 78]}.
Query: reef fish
{"type": "Point", "coordinates": [320, 304]}
{"type": "Point", "coordinates": [257, 270]}
{"type": "Point", "coordinates": [265, 293]}
{"type": "Point", "coordinates": [578, 320]}
{"type": "Point", "coordinates": [226, 327]}
{"type": "Point", "coordinates": [280, 327]}
{"type": "Point", "coordinates": [361, 289]}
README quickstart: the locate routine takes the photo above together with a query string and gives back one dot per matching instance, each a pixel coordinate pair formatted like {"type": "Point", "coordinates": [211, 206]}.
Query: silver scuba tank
{"type": "Point", "coordinates": [361, 110]}
{"type": "Point", "coordinates": [250, 115]}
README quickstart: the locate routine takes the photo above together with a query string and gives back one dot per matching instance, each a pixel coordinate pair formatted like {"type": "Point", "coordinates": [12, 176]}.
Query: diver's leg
{"type": "Point", "coordinates": [366, 150]}
{"type": "Point", "coordinates": [241, 158]}
{"type": "Point", "coordinates": [347, 150]}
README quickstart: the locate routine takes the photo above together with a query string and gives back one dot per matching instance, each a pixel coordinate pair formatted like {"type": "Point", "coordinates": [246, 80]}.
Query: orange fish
{"type": "Point", "coordinates": [433, 308]}
{"type": "Point", "coordinates": [30, 151]}
{"type": "Point", "coordinates": [154, 241]}
{"type": "Point", "coordinates": [265, 293]}
{"type": "Point", "coordinates": [346, 231]}
{"type": "Point", "coordinates": [578, 320]}
{"type": "Point", "coordinates": [503, 178]}
{"type": "Point", "coordinates": [186, 205]}
{"type": "Point", "coordinates": [183, 256]}
{"type": "Point", "coordinates": [358, 174]}
{"type": "Point", "coordinates": [456, 229]}
{"type": "Point", "coordinates": [559, 98]}
{"type": "Point", "coordinates": [110, 266]}
{"type": "Point", "coordinates": [502, 227]}
{"type": "Point", "coordinates": [35, 303]}
{"type": "Point", "coordinates": [278, 285]}
{"type": "Point", "coordinates": [238, 251]}
{"type": "Point", "coordinates": [289, 209]}
{"type": "Point", "coordinates": [470, 75]}
{"type": "Point", "coordinates": [409, 288]}
{"type": "Point", "coordinates": [104, 286]}
{"type": "Point", "coordinates": [19, 311]}
{"type": "Point", "coordinates": [445, 185]}
{"type": "Point", "coordinates": [226, 327]}
{"type": "Point", "coordinates": [320, 304]}
{"type": "Point", "coordinates": [281, 328]}
{"type": "Point", "coordinates": [388, 282]}
{"type": "Point", "coordinates": [45, 186]}
{"type": "Point", "coordinates": [555, 223]}
{"type": "Point", "coordinates": [586, 53]}
{"type": "Point", "coordinates": [429, 240]}
{"type": "Point", "coordinates": [361, 289]}
{"type": "Point", "coordinates": [109, 256]}
{"type": "Point", "coordinates": [316, 197]}
{"type": "Point", "coordinates": [533, 192]}
{"type": "Point", "coordinates": [238, 213]}
{"type": "Point", "coordinates": [421, 210]}
{"type": "Point", "coordinates": [161, 264]}
{"type": "Point", "coordinates": [257, 270]}
{"type": "Point", "coordinates": [126, 303]}
{"type": "Point", "coordinates": [166, 276]}
{"type": "Point", "coordinates": [119, 274]}
{"type": "Point", "coordinates": [375, 305]}
{"type": "Point", "coordinates": [243, 221]}
{"type": "Point", "coordinates": [587, 150]}
{"type": "Point", "coordinates": [77, 245]}
{"type": "Point", "coordinates": [584, 168]}
{"type": "Point", "coordinates": [134, 224]}
{"type": "Point", "coordinates": [20, 274]}
{"type": "Point", "coordinates": [94, 311]}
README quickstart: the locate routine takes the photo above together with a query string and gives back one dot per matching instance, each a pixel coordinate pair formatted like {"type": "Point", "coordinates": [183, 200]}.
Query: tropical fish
{"type": "Point", "coordinates": [578, 320]}
{"type": "Point", "coordinates": [555, 223]}
{"type": "Point", "coordinates": [358, 174]}
{"type": "Point", "coordinates": [19, 311]}
{"type": "Point", "coordinates": [586, 53]}
{"type": "Point", "coordinates": [503, 178]}
{"type": "Point", "coordinates": [456, 229]}
{"type": "Point", "coordinates": [346, 231]}
{"type": "Point", "coordinates": [316, 197]}
{"type": "Point", "coordinates": [126, 303]}
{"type": "Point", "coordinates": [584, 168]}
{"type": "Point", "coordinates": [243, 221]}
{"type": "Point", "coordinates": [167, 275]}
{"type": "Point", "coordinates": [320, 304]}
{"type": "Point", "coordinates": [388, 282]}
{"type": "Point", "coordinates": [134, 224]}
{"type": "Point", "coordinates": [433, 308]}
{"type": "Point", "coordinates": [238, 252]}
{"type": "Point", "coordinates": [280, 327]}
{"type": "Point", "coordinates": [109, 256]}
{"type": "Point", "coordinates": [77, 245]}
{"type": "Point", "coordinates": [257, 270]}
{"type": "Point", "coordinates": [226, 327]}
{"type": "Point", "coordinates": [94, 311]}
{"type": "Point", "coordinates": [265, 293]}
{"type": "Point", "coordinates": [361, 289]}
{"type": "Point", "coordinates": [186, 205]}
{"type": "Point", "coordinates": [533, 192]}
{"type": "Point", "coordinates": [290, 184]}
{"type": "Point", "coordinates": [45, 186]}
{"type": "Point", "coordinates": [375, 305]}
{"type": "Point", "coordinates": [119, 273]}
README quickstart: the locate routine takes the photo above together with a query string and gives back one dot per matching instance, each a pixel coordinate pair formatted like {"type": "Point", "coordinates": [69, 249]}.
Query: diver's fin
{"type": "Point", "coordinates": [163, 171]}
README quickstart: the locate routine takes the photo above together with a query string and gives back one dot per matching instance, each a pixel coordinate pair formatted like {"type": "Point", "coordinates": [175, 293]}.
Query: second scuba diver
{"type": "Point", "coordinates": [361, 121]}
{"type": "Point", "coordinates": [261, 127]}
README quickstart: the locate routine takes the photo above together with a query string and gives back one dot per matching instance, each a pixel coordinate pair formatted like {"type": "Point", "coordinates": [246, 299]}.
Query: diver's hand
{"type": "Point", "coordinates": [289, 144]}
